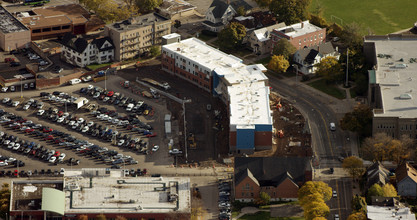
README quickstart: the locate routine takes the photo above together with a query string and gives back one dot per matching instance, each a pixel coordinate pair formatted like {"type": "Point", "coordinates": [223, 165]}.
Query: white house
{"type": "Point", "coordinates": [259, 40]}
{"type": "Point", "coordinates": [218, 15]}
{"type": "Point", "coordinates": [81, 52]}
{"type": "Point", "coordinates": [307, 57]}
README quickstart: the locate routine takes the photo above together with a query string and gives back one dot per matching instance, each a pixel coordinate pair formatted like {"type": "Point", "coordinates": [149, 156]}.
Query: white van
{"type": "Point", "coordinates": [332, 126]}
{"type": "Point", "coordinates": [74, 81]}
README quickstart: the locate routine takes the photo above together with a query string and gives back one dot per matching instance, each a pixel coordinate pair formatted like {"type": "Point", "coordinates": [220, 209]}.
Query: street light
{"type": "Point", "coordinates": [296, 73]}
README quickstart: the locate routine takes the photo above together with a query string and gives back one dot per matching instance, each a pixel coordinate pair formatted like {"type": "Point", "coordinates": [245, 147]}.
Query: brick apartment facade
{"type": "Point", "coordinates": [300, 35]}
{"type": "Point", "coordinates": [279, 177]}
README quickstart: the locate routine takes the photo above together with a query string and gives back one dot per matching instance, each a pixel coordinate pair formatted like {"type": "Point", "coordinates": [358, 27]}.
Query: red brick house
{"type": "Point", "coordinates": [300, 35]}
{"type": "Point", "coordinates": [280, 177]}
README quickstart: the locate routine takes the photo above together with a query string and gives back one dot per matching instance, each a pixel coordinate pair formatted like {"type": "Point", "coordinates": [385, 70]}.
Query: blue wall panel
{"type": "Point", "coordinates": [263, 127]}
{"type": "Point", "coordinates": [245, 139]}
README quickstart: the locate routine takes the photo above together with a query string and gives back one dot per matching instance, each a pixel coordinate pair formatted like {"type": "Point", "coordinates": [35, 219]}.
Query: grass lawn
{"type": "Point", "coordinates": [328, 89]}
{"type": "Point", "coordinates": [205, 37]}
{"type": "Point", "coordinates": [96, 66]}
{"type": "Point", "coordinates": [264, 61]}
{"type": "Point", "coordinates": [266, 216]}
{"type": "Point", "coordinates": [382, 16]}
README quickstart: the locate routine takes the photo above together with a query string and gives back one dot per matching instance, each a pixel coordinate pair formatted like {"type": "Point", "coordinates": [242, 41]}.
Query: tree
{"type": "Point", "coordinates": [316, 209]}
{"type": "Point", "coordinates": [278, 64]}
{"type": "Point", "coordinates": [263, 3]}
{"type": "Point", "coordinates": [241, 11]}
{"type": "Point", "coordinates": [290, 11]}
{"type": "Point", "coordinates": [382, 147]}
{"type": "Point", "coordinates": [335, 30]}
{"type": "Point", "coordinates": [177, 24]}
{"type": "Point", "coordinates": [375, 190]}
{"type": "Point", "coordinates": [146, 6]}
{"type": "Point", "coordinates": [101, 217]}
{"type": "Point", "coordinates": [285, 48]}
{"type": "Point", "coordinates": [389, 190]}
{"type": "Point", "coordinates": [264, 198]}
{"type": "Point", "coordinates": [313, 197]}
{"type": "Point", "coordinates": [358, 204]}
{"type": "Point", "coordinates": [330, 69]}
{"type": "Point", "coordinates": [357, 216]}
{"type": "Point", "coordinates": [318, 9]}
{"type": "Point", "coordinates": [4, 200]}
{"type": "Point", "coordinates": [155, 51]}
{"type": "Point", "coordinates": [359, 120]}
{"type": "Point", "coordinates": [354, 166]}
{"type": "Point", "coordinates": [319, 218]}
{"type": "Point", "coordinates": [352, 35]}
{"type": "Point", "coordinates": [232, 36]}
{"type": "Point", "coordinates": [83, 217]}
{"type": "Point", "coordinates": [109, 10]}
{"type": "Point", "coordinates": [318, 21]}
{"type": "Point", "coordinates": [311, 187]}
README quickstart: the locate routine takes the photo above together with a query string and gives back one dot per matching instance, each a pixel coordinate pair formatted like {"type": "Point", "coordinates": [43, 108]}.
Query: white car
{"type": "Point", "coordinates": [27, 123]}
{"type": "Point", "coordinates": [61, 157]}
{"type": "Point", "coordinates": [336, 217]}
{"type": "Point", "coordinates": [40, 105]}
{"type": "Point", "coordinates": [6, 100]}
{"type": "Point", "coordinates": [11, 145]}
{"type": "Point", "coordinates": [74, 81]}
{"type": "Point", "coordinates": [175, 151]}
{"type": "Point", "coordinates": [26, 107]}
{"type": "Point", "coordinates": [121, 142]}
{"type": "Point", "coordinates": [40, 112]}
{"type": "Point", "coordinates": [85, 129]}
{"type": "Point", "coordinates": [90, 123]}
{"type": "Point", "coordinates": [334, 194]}
{"type": "Point", "coordinates": [3, 163]}
{"type": "Point", "coordinates": [129, 107]}
{"type": "Point", "coordinates": [4, 89]}
{"type": "Point", "coordinates": [11, 159]}
{"type": "Point", "coordinates": [15, 103]}
{"type": "Point", "coordinates": [105, 118]}
{"type": "Point", "coordinates": [80, 120]}
{"type": "Point", "coordinates": [60, 120]}
{"type": "Point", "coordinates": [87, 79]}
{"type": "Point", "coordinates": [16, 146]}
{"type": "Point", "coordinates": [75, 126]}
{"type": "Point", "coordinates": [71, 123]}
{"type": "Point", "coordinates": [155, 148]}
{"type": "Point", "coordinates": [52, 160]}
{"type": "Point", "coordinates": [62, 171]}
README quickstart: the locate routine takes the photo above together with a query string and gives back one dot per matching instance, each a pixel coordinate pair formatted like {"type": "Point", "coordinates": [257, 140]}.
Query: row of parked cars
{"type": "Point", "coordinates": [62, 139]}
{"type": "Point", "coordinates": [224, 200]}
{"type": "Point", "coordinates": [118, 99]}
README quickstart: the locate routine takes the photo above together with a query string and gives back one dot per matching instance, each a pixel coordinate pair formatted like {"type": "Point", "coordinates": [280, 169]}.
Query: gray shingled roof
{"type": "Point", "coordinates": [271, 171]}
{"type": "Point", "coordinates": [309, 53]}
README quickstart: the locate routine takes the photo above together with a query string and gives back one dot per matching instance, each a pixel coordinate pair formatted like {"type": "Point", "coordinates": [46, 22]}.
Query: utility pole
{"type": "Point", "coordinates": [347, 68]}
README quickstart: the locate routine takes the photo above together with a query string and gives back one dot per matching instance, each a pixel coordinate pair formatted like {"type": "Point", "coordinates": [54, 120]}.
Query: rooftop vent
{"type": "Point", "coordinates": [405, 96]}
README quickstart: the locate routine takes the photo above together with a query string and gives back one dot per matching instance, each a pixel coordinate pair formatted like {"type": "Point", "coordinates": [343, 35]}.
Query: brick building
{"type": "Point", "coordinates": [280, 177]}
{"type": "Point", "coordinates": [13, 34]}
{"type": "Point", "coordinates": [92, 192]}
{"type": "Point", "coordinates": [134, 37]}
{"type": "Point", "coordinates": [56, 21]}
{"type": "Point", "coordinates": [300, 35]}
{"type": "Point", "coordinates": [244, 88]}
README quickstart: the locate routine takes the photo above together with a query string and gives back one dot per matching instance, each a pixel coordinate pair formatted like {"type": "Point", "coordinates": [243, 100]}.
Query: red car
{"type": "Point", "coordinates": [17, 126]}
{"type": "Point", "coordinates": [151, 135]}
{"type": "Point", "coordinates": [57, 153]}
{"type": "Point", "coordinates": [50, 137]}
{"type": "Point", "coordinates": [110, 94]}
{"type": "Point", "coordinates": [8, 59]}
{"type": "Point", "coordinates": [60, 113]}
{"type": "Point", "coordinates": [29, 130]}
{"type": "Point", "coordinates": [47, 130]}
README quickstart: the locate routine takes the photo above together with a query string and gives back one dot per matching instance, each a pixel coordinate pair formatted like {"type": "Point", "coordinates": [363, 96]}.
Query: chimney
{"type": "Point", "coordinates": [228, 2]}
{"type": "Point", "coordinates": [302, 25]}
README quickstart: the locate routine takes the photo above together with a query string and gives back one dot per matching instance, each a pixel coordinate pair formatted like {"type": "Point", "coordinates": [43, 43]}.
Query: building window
{"type": "Point", "coordinates": [247, 186]}
{"type": "Point", "coordinates": [251, 194]}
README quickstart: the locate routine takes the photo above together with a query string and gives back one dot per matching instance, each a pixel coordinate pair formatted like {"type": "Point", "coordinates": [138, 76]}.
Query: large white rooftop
{"type": "Point", "coordinates": [396, 75]}
{"type": "Point", "coordinates": [382, 213]}
{"type": "Point", "coordinates": [127, 194]}
{"type": "Point", "coordinates": [246, 84]}
{"type": "Point", "coordinates": [299, 29]}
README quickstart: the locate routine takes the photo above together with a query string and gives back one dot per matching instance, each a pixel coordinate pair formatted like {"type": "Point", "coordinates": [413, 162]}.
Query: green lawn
{"type": "Point", "coordinates": [205, 37]}
{"type": "Point", "coordinates": [382, 16]}
{"type": "Point", "coordinates": [328, 89]}
{"type": "Point", "coordinates": [96, 66]}
{"type": "Point", "coordinates": [266, 216]}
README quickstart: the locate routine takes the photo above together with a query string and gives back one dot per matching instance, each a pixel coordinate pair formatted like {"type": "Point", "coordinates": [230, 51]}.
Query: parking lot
{"type": "Point", "coordinates": [53, 133]}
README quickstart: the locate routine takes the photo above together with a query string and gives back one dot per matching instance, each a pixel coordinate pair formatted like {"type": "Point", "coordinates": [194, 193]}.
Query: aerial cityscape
{"type": "Point", "coordinates": [202, 110]}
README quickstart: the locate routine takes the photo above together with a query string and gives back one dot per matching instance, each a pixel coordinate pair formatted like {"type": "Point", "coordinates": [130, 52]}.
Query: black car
{"type": "Point", "coordinates": [13, 64]}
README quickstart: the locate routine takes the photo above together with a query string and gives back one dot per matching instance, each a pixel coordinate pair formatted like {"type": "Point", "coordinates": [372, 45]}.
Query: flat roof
{"type": "Point", "coordinates": [55, 16]}
{"type": "Point", "coordinates": [246, 84]}
{"type": "Point", "coordinates": [382, 213]}
{"type": "Point", "coordinates": [8, 23]}
{"type": "Point", "coordinates": [396, 75]}
{"type": "Point", "coordinates": [137, 22]}
{"type": "Point", "coordinates": [296, 30]}
{"type": "Point", "coordinates": [27, 194]}
{"type": "Point", "coordinates": [127, 194]}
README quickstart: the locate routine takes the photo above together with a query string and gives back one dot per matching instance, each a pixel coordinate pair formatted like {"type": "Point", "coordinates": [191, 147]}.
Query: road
{"type": "Point", "coordinates": [327, 145]}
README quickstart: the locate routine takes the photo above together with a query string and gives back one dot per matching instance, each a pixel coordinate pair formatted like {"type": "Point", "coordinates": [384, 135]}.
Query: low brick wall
{"type": "Point", "coordinates": [47, 83]}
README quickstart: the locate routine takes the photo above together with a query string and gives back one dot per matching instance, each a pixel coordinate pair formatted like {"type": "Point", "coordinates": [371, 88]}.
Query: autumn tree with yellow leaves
{"type": "Point", "coordinates": [278, 64]}
{"type": "Point", "coordinates": [312, 197]}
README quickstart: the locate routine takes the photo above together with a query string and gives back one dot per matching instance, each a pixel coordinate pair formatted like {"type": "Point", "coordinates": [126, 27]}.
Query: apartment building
{"type": "Point", "coordinates": [392, 91]}
{"type": "Point", "coordinates": [135, 36]}
{"type": "Point", "coordinates": [244, 88]}
{"type": "Point", "coordinates": [13, 34]}
{"type": "Point", "coordinates": [300, 35]}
